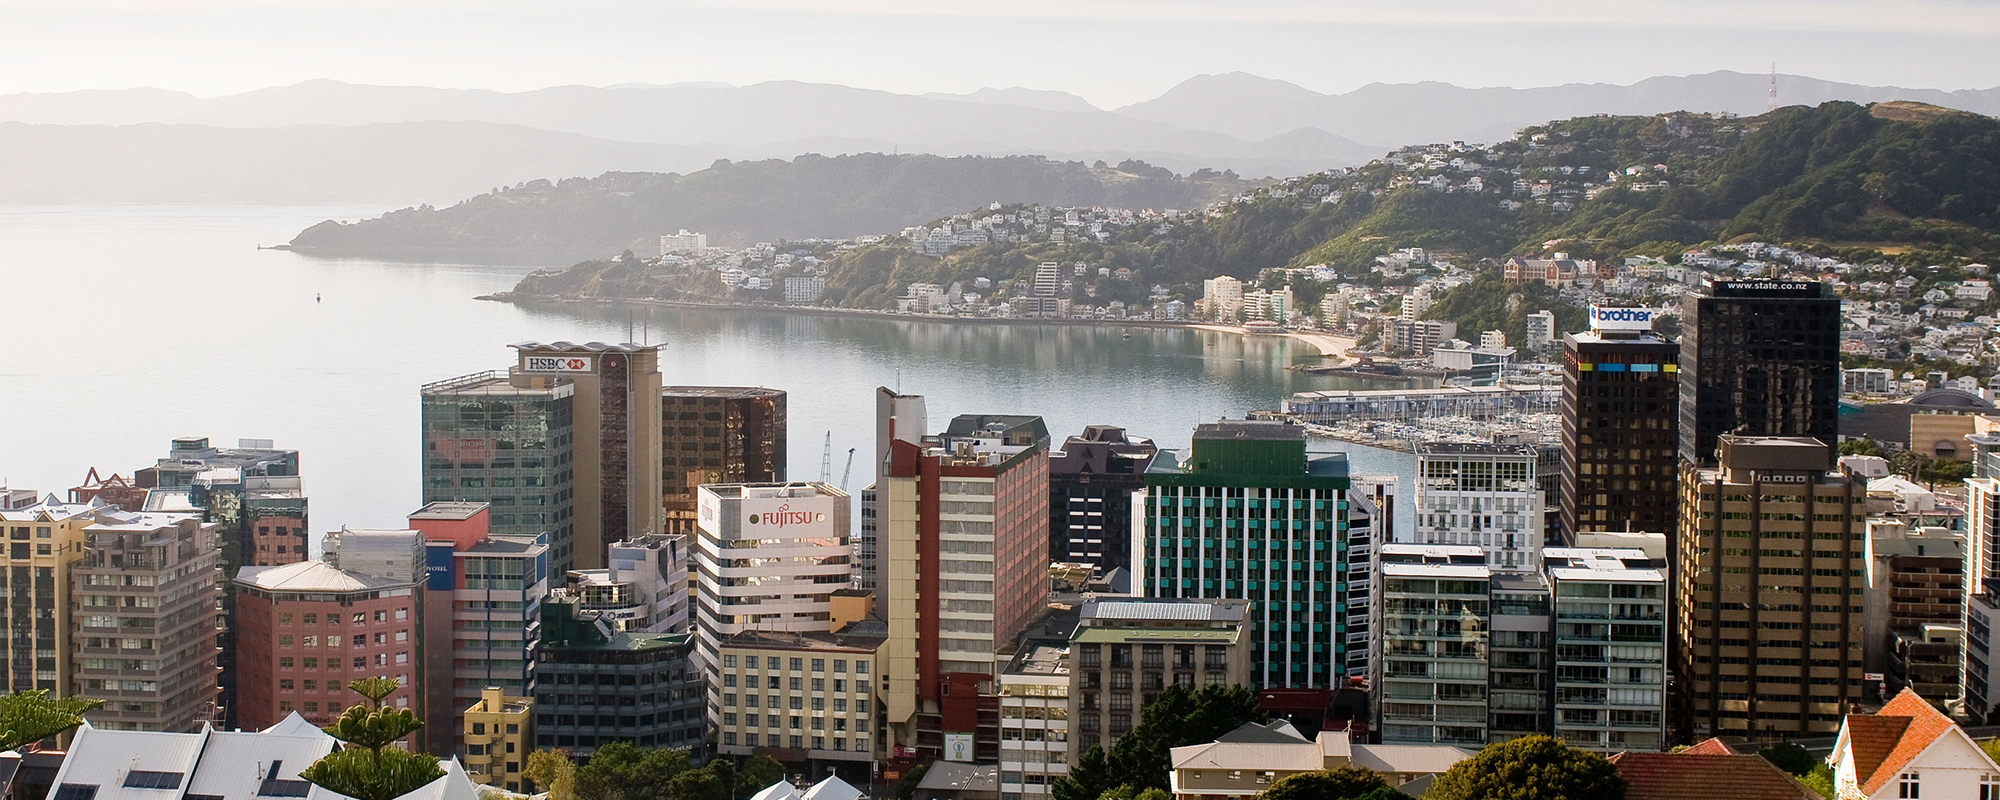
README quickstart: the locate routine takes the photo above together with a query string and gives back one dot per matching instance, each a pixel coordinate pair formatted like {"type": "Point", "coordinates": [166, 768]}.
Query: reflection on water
{"type": "Point", "coordinates": [134, 325]}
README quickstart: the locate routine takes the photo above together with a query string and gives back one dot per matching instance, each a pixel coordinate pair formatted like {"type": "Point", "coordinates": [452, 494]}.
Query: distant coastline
{"type": "Point", "coordinates": [1328, 346]}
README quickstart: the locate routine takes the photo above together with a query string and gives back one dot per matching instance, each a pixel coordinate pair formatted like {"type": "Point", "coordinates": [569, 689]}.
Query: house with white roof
{"type": "Point", "coordinates": [1246, 761]}
{"type": "Point", "coordinates": [104, 764]}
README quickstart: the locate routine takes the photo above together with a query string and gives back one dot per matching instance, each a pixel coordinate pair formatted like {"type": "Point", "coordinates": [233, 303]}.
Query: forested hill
{"type": "Point", "coordinates": [738, 203]}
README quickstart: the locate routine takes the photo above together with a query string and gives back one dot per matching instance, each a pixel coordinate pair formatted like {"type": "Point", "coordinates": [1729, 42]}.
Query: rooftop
{"type": "Point", "coordinates": [448, 509]}
{"type": "Point", "coordinates": [1163, 610]}
{"type": "Point", "coordinates": [834, 642]}
{"type": "Point", "coordinates": [586, 347]}
{"type": "Point", "coordinates": [310, 576]}
{"type": "Point", "coordinates": [1258, 429]}
{"type": "Point", "coordinates": [725, 392]}
{"type": "Point", "coordinates": [1040, 658]}
{"type": "Point", "coordinates": [1474, 449]}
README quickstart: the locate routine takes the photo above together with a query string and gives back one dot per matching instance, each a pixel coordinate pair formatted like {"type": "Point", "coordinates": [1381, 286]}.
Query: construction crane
{"type": "Point", "coordinates": [849, 472]}
{"type": "Point", "coordinates": [826, 460]}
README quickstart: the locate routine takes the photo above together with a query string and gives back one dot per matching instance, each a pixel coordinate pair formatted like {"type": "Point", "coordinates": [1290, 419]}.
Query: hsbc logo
{"type": "Point", "coordinates": [557, 364]}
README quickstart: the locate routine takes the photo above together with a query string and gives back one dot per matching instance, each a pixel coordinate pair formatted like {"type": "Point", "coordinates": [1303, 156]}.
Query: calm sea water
{"type": "Point", "coordinates": [125, 327]}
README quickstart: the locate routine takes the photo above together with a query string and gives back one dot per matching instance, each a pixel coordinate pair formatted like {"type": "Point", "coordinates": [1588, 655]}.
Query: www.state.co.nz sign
{"type": "Point", "coordinates": [558, 364]}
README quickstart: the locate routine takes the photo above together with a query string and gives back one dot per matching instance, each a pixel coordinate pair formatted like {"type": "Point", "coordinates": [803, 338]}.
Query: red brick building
{"type": "Point", "coordinates": [305, 629]}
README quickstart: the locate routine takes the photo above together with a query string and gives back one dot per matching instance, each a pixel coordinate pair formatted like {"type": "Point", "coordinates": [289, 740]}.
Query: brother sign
{"type": "Point", "coordinates": [1603, 318]}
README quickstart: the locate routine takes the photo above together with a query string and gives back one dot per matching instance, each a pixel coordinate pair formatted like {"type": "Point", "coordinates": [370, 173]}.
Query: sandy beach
{"type": "Point", "coordinates": [1334, 347]}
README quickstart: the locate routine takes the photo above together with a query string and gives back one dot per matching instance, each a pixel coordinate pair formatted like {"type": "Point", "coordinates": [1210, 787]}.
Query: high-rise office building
{"type": "Point", "coordinates": [1091, 481]}
{"type": "Point", "coordinates": [768, 557]}
{"type": "Point", "coordinates": [897, 416]}
{"type": "Point", "coordinates": [149, 585]}
{"type": "Point", "coordinates": [305, 629]}
{"type": "Point", "coordinates": [717, 434]}
{"type": "Point", "coordinates": [1248, 515]}
{"type": "Point", "coordinates": [1620, 411]}
{"type": "Point", "coordinates": [962, 525]}
{"type": "Point", "coordinates": [565, 443]}
{"type": "Point", "coordinates": [1769, 614]}
{"type": "Point", "coordinates": [597, 685]}
{"type": "Point", "coordinates": [1485, 495]}
{"type": "Point", "coordinates": [482, 610]}
{"type": "Point", "coordinates": [1758, 358]}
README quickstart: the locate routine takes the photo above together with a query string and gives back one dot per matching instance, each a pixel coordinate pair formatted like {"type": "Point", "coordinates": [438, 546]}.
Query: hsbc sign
{"type": "Point", "coordinates": [558, 364]}
{"type": "Point", "coordinates": [1603, 318]}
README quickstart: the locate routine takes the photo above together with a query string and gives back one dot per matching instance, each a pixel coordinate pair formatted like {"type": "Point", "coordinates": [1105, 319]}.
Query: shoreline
{"type": "Point", "coordinates": [1329, 346]}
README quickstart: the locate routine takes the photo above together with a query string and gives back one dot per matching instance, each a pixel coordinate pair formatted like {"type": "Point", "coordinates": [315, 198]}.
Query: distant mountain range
{"type": "Point", "coordinates": [326, 141]}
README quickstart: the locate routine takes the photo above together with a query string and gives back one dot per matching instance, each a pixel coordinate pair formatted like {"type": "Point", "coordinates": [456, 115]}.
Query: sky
{"type": "Point", "coordinates": [1111, 52]}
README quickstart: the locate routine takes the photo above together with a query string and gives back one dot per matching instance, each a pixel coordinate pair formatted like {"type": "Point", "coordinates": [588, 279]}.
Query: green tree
{"type": "Point", "coordinates": [1088, 779]}
{"type": "Point", "coordinates": [1789, 757]}
{"type": "Point", "coordinates": [1862, 446]}
{"type": "Point", "coordinates": [1345, 782]}
{"type": "Point", "coordinates": [1820, 780]}
{"type": "Point", "coordinates": [906, 787]}
{"type": "Point", "coordinates": [368, 766]}
{"type": "Point", "coordinates": [1176, 717]}
{"type": "Point", "coordinates": [31, 715]}
{"type": "Point", "coordinates": [552, 772]}
{"type": "Point", "coordinates": [1529, 768]}
{"type": "Point", "coordinates": [625, 771]}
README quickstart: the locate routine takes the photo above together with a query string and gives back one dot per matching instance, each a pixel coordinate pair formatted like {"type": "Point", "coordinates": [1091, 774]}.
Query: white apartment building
{"type": "Point", "coordinates": [768, 558]}
{"type": "Point", "coordinates": [1034, 722]}
{"type": "Point", "coordinates": [683, 243]}
{"type": "Point", "coordinates": [1541, 330]}
{"type": "Point", "coordinates": [1483, 495]}
{"type": "Point", "coordinates": [1222, 296]}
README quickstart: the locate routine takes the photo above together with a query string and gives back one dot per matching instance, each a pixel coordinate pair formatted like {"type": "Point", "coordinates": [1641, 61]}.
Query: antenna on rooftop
{"type": "Point", "coordinates": [1774, 89]}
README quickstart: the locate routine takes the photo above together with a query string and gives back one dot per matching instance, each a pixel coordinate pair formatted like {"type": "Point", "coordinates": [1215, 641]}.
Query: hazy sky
{"type": "Point", "coordinates": [1110, 51]}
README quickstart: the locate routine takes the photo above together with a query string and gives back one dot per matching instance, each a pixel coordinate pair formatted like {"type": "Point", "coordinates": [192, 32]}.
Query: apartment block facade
{"type": "Point", "coordinates": [1246, 515]}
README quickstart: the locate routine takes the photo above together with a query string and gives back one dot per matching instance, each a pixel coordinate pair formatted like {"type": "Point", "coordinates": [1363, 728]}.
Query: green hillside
{"type": "Point", "coordinates": [1916, 181]}
{"type": "Point", "coordinates": [738, 203]}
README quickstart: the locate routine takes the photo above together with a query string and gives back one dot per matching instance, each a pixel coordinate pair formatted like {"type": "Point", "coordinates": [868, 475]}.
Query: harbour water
{"type": "Point", "coordinates": [127, 326]}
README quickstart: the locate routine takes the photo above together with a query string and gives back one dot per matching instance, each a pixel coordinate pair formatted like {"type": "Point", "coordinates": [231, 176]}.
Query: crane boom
{"type": "Point", "coordinates": [849, 472]}
{"type": "Point", "coordinates": [826, 460]}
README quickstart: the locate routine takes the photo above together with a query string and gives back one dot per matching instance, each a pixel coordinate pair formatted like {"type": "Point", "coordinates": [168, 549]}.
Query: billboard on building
{"type": "Point", "coordinates": [1606, 318]}
{"type": "Point", "coordinates": [958, 747]}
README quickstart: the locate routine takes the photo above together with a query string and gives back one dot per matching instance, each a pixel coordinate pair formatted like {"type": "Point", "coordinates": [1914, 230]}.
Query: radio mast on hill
{"type": "Point", "coordinates": [1773, 106]}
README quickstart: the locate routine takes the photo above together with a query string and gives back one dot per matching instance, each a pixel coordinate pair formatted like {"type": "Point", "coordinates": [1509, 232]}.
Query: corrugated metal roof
{"type": "Point", "coordinates": [1158, 610]}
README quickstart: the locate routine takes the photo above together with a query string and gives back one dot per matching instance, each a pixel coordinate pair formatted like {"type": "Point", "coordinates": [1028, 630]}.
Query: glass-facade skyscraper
{"type": "Point", "coordinates": [487, 440]}
{"type": "Point", "coordinates": [1758, 358]}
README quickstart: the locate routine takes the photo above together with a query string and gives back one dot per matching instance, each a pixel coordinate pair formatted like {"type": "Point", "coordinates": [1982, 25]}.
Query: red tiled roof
{"type": "Point", "coordinates": [1915, 725]}
{"type": "Point", "coordinates": [1690, 776]}
{"type": "Point", "coordinates": [1710, 747]}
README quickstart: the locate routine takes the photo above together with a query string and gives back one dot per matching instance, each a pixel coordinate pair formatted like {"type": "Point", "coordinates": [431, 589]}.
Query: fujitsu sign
{"type": "Point", "coordinates": [778, 513]}
{"type": "Point", "coordinates": [1604, 318]}
{"type": "Point", "coordinates": [786, 516]}
{"type": "Point", "coordinates": [556, 363]}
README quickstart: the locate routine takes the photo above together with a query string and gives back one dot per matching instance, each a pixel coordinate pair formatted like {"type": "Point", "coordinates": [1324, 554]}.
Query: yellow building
{"type": "Point", "coordinates": [42, 541]}
{"type": "Point", "coordinates": [497, 737]}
